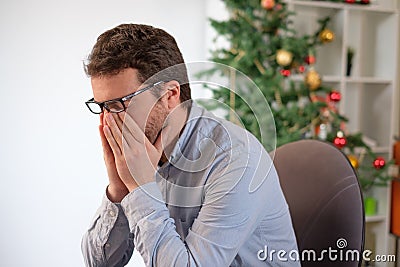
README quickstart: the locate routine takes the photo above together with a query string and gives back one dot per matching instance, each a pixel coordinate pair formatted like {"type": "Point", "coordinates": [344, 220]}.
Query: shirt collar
{"type": "Point", "coordinates": [195, 113]}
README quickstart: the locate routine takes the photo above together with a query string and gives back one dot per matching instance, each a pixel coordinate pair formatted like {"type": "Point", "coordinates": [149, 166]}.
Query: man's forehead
{"type": "Point", "coordinates": [109, 87]}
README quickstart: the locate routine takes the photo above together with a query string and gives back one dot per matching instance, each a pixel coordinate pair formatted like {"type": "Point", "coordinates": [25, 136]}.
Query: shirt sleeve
{"type": "Point", "coordinates": [229, 215]}
{"type": "Point", "coordinates": [108, 241]}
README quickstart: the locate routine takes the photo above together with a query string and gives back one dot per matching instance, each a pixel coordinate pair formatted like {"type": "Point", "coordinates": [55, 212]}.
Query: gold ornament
{"type": "Point", "coordinates": [326, 36]}
{"type": "Point", "coordinates": [353, 160]}
{"type": "Point", "coordinates": [312, 79]}
{"type": "Point", "coordinates": [284, 57]}
{"type": "Point", "coordinates": [268, 4]}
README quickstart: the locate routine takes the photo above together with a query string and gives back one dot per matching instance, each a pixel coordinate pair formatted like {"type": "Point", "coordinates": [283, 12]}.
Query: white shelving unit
{"type": "Point", "coordinates": [370, 95]}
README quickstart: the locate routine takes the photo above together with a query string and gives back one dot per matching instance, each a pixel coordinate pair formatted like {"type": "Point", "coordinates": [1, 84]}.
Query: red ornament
{"type": "Point", "coordinates": [350, 1]}
{"type": "Point", "coordinates": [285, 73]}
{"type": "Point", "coordinates": [268, 4]}
{"type": "Point", "coordinates": [302, 69]}
{"type": "Point", "coordinates": [364, 2]}
{"type": "Point", "coordinates": [339, 142]}
{"type": "Point", "coordinates": [379, 163]}
{"type": "Point", "coordinates": [335, 96]}
{"type": "Point", "coordinates": [310, 60]}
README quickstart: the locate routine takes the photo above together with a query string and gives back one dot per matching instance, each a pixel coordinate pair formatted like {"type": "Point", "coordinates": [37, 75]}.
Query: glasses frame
{"type": "Point", "coordinates": [103, 105]}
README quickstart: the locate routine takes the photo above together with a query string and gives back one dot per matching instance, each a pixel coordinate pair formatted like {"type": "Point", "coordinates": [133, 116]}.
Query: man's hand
{"type": "Point", "coordinates": [116, 190]}
{"type": "Point", "coordinates": [135, 157]}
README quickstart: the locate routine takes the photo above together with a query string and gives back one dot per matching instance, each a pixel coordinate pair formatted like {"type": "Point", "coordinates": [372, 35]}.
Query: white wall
{"type": "Point", "coordinates": [51, 169]}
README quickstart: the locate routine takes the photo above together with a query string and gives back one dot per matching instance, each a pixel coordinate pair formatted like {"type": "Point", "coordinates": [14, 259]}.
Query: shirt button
{"type": "Point", "coordinates": [111, 213]}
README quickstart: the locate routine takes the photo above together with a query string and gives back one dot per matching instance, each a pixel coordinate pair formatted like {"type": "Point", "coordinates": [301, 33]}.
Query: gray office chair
{"type": "Point", "coordinates": [325, 202]}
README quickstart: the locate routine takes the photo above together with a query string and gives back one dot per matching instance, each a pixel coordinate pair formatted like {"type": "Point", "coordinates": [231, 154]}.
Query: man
{"type": "Point", "coordinates": [179, 178]}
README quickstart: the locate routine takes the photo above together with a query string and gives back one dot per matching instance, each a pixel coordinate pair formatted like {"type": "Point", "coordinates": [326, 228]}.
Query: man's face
{"type": "Point", "coordinates": [145, 109]}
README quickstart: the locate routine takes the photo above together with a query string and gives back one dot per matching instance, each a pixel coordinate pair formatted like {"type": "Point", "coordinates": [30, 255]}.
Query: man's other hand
{"type": "Point", "coordinates": [116, 189]}
{"type": "Point", "coordinates": [136, 158]}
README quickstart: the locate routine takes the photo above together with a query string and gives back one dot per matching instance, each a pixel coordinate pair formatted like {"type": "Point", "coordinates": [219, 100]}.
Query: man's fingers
{"type": "Point", "coordinates": [111, 140]}
{"type": "Point", "coordinates": [114, 130]}
{"type": "Point", "coordinates": [162, 139]}
{"type": "Point", "coordinates": [104, 143]}
{"type": "Point", "coordinates": [131, 126]}
{"type": "Point", "coordinates": [107, 151]}
{"type": "Point", "coordinates": [118, 120]}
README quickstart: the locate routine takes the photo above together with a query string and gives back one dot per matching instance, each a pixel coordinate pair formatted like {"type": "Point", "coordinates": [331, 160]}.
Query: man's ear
{"type": "Point", "coordinates": [172, 94]}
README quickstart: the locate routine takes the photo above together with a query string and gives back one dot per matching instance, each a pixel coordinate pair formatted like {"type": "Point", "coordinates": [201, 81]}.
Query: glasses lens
{"type": "Point", "coordinates": [114, 106]}
{"type": "Point", "coordinates": [95, 108]}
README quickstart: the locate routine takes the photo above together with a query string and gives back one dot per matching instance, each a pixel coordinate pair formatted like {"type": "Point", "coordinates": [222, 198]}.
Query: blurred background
{"type": "Point", "coordinates": [51, 166]}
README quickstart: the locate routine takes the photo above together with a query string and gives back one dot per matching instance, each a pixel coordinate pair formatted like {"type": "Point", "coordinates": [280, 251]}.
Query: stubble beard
{"type": "Point", "coordinates": [155, 122]}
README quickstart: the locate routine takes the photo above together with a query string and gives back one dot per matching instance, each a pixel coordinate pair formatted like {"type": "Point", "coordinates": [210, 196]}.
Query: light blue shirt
{"type": "Point", "coordinates": [216, 202]}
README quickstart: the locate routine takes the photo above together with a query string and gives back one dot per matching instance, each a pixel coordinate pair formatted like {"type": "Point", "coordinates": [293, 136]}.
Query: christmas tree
{"type": "Point", "coordinates": [264, 45]}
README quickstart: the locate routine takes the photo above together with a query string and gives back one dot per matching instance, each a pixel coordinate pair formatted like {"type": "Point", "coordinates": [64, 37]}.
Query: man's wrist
{"type": "Point", "coordinates": [116, 193]}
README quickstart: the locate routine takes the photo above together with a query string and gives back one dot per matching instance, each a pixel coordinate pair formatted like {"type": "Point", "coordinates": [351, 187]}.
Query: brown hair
{"type": "Point", "coordinates": [145, 48]}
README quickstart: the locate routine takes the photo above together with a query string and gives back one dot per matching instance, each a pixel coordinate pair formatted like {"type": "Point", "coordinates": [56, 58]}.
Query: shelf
{"type": "Point", "coordinates": [375, 218]}
{"type": "Point", "coordinates": [330, 78]}
{"type": "Point", "coordinates": [371, 80]}
{"type": "Point", "coordinates": [324, 78]}
{"type": "Point", "coordinates": [378, 150]}
{"type": "Point", "coordinates": [337, 79]}
{"type": "Point", "coordinates": [333, 5]}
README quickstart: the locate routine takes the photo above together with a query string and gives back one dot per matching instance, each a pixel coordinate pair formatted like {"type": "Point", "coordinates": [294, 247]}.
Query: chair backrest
{"type": "Point", "coordinates": [325, 202]}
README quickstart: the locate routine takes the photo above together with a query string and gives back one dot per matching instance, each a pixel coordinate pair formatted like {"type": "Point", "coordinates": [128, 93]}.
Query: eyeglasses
{"type": "Point", "coordinates": [116, 105]}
